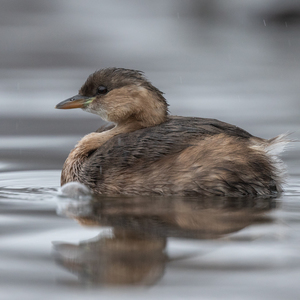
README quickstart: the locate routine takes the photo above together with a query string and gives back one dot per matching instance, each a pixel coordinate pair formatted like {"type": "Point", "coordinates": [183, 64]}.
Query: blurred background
{"type": "Point", "coordinates": [237, 61]}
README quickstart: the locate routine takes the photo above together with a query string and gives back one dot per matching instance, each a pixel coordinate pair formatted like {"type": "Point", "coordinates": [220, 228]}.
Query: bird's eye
{"type": "Point", "coordinates": [102, 90]}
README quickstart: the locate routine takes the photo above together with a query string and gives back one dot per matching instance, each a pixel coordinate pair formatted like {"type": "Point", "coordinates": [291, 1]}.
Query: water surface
{"type": "Point", "coordinates": [144, 247]}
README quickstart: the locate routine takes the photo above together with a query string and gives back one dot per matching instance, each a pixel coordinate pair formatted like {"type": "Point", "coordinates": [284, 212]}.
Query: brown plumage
{"type": "Point", "coordinates": [150, 152]}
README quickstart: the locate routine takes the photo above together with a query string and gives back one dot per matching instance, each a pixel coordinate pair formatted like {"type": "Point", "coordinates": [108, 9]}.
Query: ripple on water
{"type": "Point", "coordinates": [29, 185]}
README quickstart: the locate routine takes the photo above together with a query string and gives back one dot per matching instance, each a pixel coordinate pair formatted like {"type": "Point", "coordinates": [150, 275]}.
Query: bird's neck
{"type": "Point", "coordinates": [142, 107]}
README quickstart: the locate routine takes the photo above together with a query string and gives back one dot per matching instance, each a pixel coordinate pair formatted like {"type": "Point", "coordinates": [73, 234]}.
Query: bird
{"type": "Point", "coordinates": [144, 150]}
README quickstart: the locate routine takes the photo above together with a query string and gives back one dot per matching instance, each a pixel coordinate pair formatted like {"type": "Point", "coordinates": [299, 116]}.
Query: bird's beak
{"type": "Point", "coordinates": [77, 101]}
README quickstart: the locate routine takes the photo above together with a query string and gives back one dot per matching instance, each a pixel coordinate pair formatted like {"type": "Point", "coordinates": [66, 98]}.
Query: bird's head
{"type": "Point", "coordinates": [120, 95]}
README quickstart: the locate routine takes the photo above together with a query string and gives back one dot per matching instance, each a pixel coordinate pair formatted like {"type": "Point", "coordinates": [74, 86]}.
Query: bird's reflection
{"type": "Point", "coordinates": [123, 259]}
{"type": "Point", "coordinates": [134, 252]}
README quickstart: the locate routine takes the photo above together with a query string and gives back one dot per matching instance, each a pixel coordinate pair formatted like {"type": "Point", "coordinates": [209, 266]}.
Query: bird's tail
{"type": "Point", "coordinates": [272, 148]}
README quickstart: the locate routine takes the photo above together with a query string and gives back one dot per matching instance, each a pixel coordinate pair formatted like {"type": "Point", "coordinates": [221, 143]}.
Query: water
{"type": "Point", "coordinates": [56, 246]}
{"type": "Point", "coordinates": [140, 247]}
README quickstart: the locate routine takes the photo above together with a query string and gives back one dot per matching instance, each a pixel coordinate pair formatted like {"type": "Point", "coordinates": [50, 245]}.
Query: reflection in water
{"type": "Point", "coordinates": [124, 258]}
{"type": "Point", "coordinates": [134, 254]}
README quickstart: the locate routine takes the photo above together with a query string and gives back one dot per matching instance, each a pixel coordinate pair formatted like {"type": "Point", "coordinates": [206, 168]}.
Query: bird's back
{"type": "Point", "coordinates": [182, 156]}
{"type": "Point", "coordinates": [151, 144]}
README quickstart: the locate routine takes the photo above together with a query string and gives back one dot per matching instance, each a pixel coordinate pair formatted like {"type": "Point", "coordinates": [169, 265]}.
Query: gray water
{"type": "Point", "coordinates": [239, 64]}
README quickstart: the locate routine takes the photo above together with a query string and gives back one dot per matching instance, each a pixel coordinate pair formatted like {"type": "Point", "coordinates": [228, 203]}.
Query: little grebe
{"type": "Point", "coordinates": [148, 151]}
